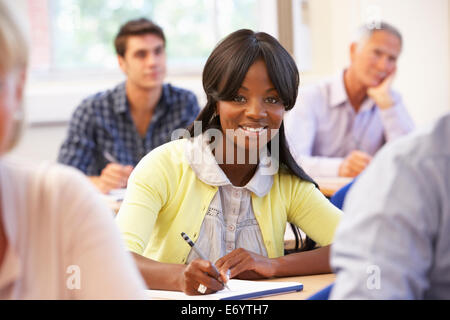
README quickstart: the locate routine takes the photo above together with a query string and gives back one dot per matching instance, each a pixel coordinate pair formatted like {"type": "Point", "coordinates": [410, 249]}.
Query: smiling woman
{"type": "Point", "coordinates": [259, 61]}
{"type": "Point", "coordinates": [255, 111]}
{"type": "Point", "coordinates": [235, 212]}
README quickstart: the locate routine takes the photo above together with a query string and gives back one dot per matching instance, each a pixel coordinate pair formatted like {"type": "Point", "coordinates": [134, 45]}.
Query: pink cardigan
{"type": "Point", "coordinates": [62, 242]}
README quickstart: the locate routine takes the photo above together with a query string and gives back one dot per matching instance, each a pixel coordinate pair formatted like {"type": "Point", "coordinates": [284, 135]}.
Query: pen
{"type": "Point", "coordinates": [109, 157]}
{"type": "Point", "coordinates": [192, 244]}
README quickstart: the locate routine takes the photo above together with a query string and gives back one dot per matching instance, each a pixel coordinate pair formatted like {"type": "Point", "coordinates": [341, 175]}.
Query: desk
{"type": "Point", "coordinates": [329, 185]}
{"type": "Point", "coordinates": [114, 199]}
{"type": "Point", "coordinates": [311, 284]}
{"type": "Point", "coordinates": [113, 205]}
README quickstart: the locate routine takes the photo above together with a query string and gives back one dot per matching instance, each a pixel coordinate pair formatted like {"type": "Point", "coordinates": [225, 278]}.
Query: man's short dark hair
{"type": "Point", "coordinates": [136, 27]}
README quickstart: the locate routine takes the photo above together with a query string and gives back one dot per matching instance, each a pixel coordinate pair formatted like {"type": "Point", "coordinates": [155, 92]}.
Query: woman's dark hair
{"type": "Point", "coordinates": [225, 71]}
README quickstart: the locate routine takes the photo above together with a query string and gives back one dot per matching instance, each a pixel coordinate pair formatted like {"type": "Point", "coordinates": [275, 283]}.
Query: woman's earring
{"type": "Point", "coordinates": [214, 116]}
{"type": "Point", "coordinates": [214, 120]}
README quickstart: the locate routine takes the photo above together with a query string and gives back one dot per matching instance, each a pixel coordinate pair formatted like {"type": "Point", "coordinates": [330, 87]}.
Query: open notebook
{"type": "Point", "coordinates": [239, 289]}
{"type": "Point", "coordinates": [114, 198]}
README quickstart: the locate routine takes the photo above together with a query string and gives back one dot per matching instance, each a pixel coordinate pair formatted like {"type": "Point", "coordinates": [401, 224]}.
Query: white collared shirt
{"type": "Point", "coordinates": [393, 241]}
{"type": "Point", "coordinates": [230, 221]}
{"type": "Point", "coordinates": [323, 127]}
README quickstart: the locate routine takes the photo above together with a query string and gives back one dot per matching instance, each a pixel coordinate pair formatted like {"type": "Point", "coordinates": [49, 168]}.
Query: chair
{"type": "Point", "coordinates": [322, 294]}
{"type": "Point", "coordinates": [338, 198]}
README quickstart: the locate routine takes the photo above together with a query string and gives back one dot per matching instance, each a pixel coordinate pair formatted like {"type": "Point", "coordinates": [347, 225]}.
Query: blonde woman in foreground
{"type": "Point", "coordinates": [57, 239]}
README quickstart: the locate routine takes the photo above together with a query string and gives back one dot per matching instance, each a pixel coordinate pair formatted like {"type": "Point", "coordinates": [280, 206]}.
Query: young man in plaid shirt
{"type": "Point", "coordinates": [112, 130]}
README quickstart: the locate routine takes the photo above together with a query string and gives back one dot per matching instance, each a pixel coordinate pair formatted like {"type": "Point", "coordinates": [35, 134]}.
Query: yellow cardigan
{"type": "Point", "coordinates": [164, 198]}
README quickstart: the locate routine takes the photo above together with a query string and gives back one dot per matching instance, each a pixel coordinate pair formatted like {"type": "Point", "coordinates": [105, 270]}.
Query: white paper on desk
{"type": "Point", "coordinates": [114, 198]}
{"type": "Point", "coordinates": [239, 289]}
{"type": "Point", "coordinates": [117, 194]}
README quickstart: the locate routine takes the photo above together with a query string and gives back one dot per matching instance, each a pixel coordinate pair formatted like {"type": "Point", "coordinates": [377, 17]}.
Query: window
{"type": "Point", "coordinates": [73, 55]}
{"type": "Point", "coordinates": [74, 35]}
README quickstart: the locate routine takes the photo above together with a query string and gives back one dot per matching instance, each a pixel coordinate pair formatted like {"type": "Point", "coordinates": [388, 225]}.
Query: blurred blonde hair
{"type": "Point", "coordinates": [14, 52]}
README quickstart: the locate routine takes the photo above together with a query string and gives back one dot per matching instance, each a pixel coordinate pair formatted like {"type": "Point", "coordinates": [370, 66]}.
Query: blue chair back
{"type": "Point", "coordinates": [338, 198]}
{"type": "Point", "coordinates": [323, 294]}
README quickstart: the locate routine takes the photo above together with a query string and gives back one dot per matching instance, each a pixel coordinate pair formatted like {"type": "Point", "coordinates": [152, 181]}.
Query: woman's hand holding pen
{"type": "Point", "coordinates": [113, 176]}
{"type": "Point", "coordinates": [245, 264]}
{"type": "Point", "coordinates": [201, 272]}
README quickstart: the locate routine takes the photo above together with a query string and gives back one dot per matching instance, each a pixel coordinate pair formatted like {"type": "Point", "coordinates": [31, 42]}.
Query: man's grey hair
{"type": "Point", "coordinates": [366, 30]}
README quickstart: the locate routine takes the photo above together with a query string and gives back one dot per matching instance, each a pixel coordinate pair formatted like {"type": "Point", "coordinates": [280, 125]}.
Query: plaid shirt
{"type": "Point", "coordinates": [103, 122]}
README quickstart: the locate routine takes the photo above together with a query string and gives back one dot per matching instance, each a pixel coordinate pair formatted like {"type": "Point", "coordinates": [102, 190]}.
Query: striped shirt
{"type": "Point", "coordinates": [102, 123]}
{"type": "Point", "coordinates": [230, 221]}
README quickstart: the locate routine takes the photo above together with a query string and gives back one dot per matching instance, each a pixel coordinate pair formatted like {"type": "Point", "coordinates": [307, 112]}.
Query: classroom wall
{"type": "Point", "coordinates": [423, 77]}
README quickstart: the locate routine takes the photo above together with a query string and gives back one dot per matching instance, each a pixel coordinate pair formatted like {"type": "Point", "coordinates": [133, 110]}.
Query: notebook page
{"type": "Point", "coordinates": [239, 289]}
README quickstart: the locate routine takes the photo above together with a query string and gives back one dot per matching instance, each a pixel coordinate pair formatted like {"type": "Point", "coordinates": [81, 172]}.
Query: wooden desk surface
{"type": "Point", "coordinates": [328, 192]}
{"type": "Point", "coordinates": [329, 185]}
{"type": "Point", "coordinates": [311, 284]}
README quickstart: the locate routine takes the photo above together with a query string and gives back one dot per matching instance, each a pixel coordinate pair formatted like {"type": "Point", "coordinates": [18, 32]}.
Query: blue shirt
{"type": "Point", "coordinates": [103, 122]}
{"type": "Point", "coordinates": [323, 127]}
{"type": "Point", "coordinates": [393, 241]}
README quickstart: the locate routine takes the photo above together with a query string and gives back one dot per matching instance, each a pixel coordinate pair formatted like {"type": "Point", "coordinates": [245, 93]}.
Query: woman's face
{"type": "Point", "coordinates": [256, 112]}
{"type": "Point", "coordinates": [11, 85]}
